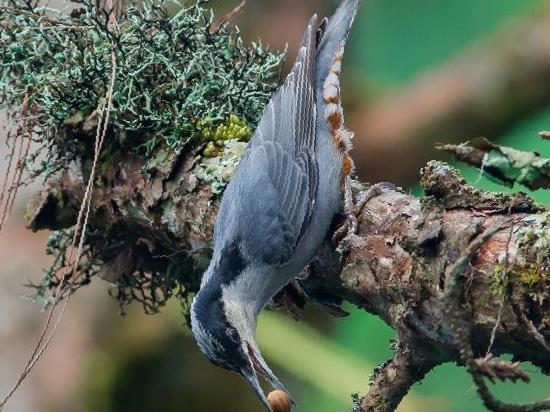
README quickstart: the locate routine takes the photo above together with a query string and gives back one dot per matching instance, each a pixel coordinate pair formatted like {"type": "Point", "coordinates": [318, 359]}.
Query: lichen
{"type": "Point", "coordinates": [218, 170]}
{"type": "Point", "coordinates": [181, 90]}
{"type": "Point", "coordinates": [171, 72]}
{"type": "Point", "coordinates": [169, 218]}
{"type": "Point", "coordinates": [502, 164]}
{"type": "Point", "coordinates": [446, 184]}
{"type": "Point", "coordinates": [534, 240]}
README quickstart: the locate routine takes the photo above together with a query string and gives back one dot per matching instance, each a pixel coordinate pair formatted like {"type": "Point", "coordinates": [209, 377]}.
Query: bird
{"type": "Point", "coordinates": [278, 207]}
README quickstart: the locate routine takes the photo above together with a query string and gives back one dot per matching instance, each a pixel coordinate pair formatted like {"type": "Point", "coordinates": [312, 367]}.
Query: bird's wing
{"type": "Point", "coordinates": [277, 177]}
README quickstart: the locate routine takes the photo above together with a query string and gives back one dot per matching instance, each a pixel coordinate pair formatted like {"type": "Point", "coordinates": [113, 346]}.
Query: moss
{"type": "Point", "coordinates": [530, 275]}
{"type": "Point", "coordinates": [501, 280]}
{"type": "Point", "coordinates": [234, 128]}
{"type": "Point", "coordinates": [531, 268]}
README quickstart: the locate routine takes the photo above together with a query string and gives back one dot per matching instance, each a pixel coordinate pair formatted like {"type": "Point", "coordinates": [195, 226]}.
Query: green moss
{"type": "Point", "coordinates": [234, 128]}
{"type": "Point", "coordinates": [500, 283]}
{"type": "Point", "coordinates": [532, 266]}
{"type": "Point", "coordinates": [530, 275]}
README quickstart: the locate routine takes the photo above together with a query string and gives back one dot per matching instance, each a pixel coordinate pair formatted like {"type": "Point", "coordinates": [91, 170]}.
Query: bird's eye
{"type": "Point", "coordinates": [233, 335]}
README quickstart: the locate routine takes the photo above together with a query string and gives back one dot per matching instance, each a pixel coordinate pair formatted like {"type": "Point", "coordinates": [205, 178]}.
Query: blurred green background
{"type": "Point", "coordinates": [142, 363]}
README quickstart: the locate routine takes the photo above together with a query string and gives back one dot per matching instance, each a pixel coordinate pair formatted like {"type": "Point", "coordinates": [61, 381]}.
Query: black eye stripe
{"type": "Point", "coordinates": [233, 334]}
{"type": "Point", "coordinates": [226, 350]}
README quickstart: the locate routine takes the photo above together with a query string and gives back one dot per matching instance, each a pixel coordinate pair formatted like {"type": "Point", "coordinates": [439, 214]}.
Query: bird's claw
{"type": "Point", "coordinates": [345, 234]}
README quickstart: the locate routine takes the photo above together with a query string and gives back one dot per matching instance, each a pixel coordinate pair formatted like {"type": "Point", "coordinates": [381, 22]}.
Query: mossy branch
{"type": "Point", "coordinates": [185, 102]}
{"type": "Point", "coordinates": [503, 164]}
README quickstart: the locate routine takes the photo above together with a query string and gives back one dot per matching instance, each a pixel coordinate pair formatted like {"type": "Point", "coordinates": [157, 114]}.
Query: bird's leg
{"type": "Point", "coordinates": [344, 234]}
{"type": "Point", "coordinates": [372, 192]}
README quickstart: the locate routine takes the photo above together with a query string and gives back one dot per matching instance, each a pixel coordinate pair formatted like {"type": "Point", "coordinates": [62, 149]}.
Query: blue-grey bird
{"type": "Point", "coordinates": [278, 207]}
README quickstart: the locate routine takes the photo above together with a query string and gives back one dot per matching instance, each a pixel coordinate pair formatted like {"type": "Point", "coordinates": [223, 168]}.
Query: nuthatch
{"type": "Point", "coordinates": [278, 207]}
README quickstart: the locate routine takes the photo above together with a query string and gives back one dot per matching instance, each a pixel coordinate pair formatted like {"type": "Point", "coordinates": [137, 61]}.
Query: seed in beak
{"type": "Point", "coordinates": [279, 401]}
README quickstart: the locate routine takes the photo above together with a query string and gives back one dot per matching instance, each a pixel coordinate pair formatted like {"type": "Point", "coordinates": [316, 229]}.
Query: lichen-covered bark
{"type": "Point", "coordinates": [504, 164]}
{"type": "Point", "coordinates": [180, 118]}
{"type": "Point", "coordinates": [395, 268]}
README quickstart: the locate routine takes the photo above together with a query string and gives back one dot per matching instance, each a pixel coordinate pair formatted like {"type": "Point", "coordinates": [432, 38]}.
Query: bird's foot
{"type": "Point", "coordinates": [344, 235]}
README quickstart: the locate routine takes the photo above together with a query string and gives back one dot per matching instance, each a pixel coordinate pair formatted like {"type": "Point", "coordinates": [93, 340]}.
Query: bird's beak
{"type": "Point", "coordinates": [259, 366]}
{"type": "Point", "coordinates": [252, 379]}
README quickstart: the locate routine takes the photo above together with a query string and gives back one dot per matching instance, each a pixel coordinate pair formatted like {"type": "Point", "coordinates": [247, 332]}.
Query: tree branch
{"type": "Point", "coordinates": [503, 164]}
{"type": "Point", "coordinates": [396, 267]}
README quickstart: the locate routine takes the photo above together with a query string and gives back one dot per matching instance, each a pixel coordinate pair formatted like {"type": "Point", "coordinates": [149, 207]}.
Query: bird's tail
{"type": "Point", "coordinates": [332, 35]}
{"type": "Point", "coordinates": [331, 42]}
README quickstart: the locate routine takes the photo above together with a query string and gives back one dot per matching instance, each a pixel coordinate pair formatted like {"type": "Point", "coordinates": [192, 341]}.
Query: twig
{"type": "Point", "coordinates": [503, 164]}
{"type": "Point", "coordinates": [83, 215]}
{"type": "Point", "coordinates": [25, 131]}
{"type": "Point", "coordinates": [215, 27]}
{"type": "Point", "coordinates": [393, 380]}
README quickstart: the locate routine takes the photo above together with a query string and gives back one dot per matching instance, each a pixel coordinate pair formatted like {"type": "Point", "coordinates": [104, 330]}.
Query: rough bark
{"type": "Point", "coordinates": [395, 267]}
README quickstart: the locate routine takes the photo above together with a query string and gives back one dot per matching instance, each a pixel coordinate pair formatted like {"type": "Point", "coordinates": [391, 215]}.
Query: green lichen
{"type": "Point", "coordinates": [180, 89]}
{"type": "Point", "coordinates": [171, 72]}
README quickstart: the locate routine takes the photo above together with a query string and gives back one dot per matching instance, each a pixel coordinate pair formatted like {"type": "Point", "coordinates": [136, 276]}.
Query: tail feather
{"type": "Point", "coordinates": [331, 38]}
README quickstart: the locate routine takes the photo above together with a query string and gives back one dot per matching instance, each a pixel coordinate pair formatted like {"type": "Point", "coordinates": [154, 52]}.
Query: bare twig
{"type": "Point", "coordinates": [25, 129]}
{"type": "Point", "coordinates": [64, 288]}
{"type": "Point", "coordinates": [216, 26]}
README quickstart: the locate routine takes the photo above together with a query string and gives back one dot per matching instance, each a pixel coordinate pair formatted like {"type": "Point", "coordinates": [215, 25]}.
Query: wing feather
{"type": "Point", "coordinates": [279, 172]}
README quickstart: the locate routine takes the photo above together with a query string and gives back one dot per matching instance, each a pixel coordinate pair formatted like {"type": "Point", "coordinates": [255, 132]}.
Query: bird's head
{"type": "Point", "coordinates": [230, 345]}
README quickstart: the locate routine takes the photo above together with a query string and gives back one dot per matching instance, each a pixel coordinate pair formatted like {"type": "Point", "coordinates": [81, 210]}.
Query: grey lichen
{"type": "Point", "coordinates": [181, 91]}
{"type": "Point", "coordinates": [532, 268]}
{"type": "Point", "coordinates": [505, 165]}
{"type": "Point", "coordinates": [218, 170]}
{"type": "Point", "coordinates": [173, 75]}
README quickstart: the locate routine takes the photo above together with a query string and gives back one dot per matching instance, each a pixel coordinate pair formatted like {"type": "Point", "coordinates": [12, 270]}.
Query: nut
{"type": "Point", "coordinates": [279, 401]}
